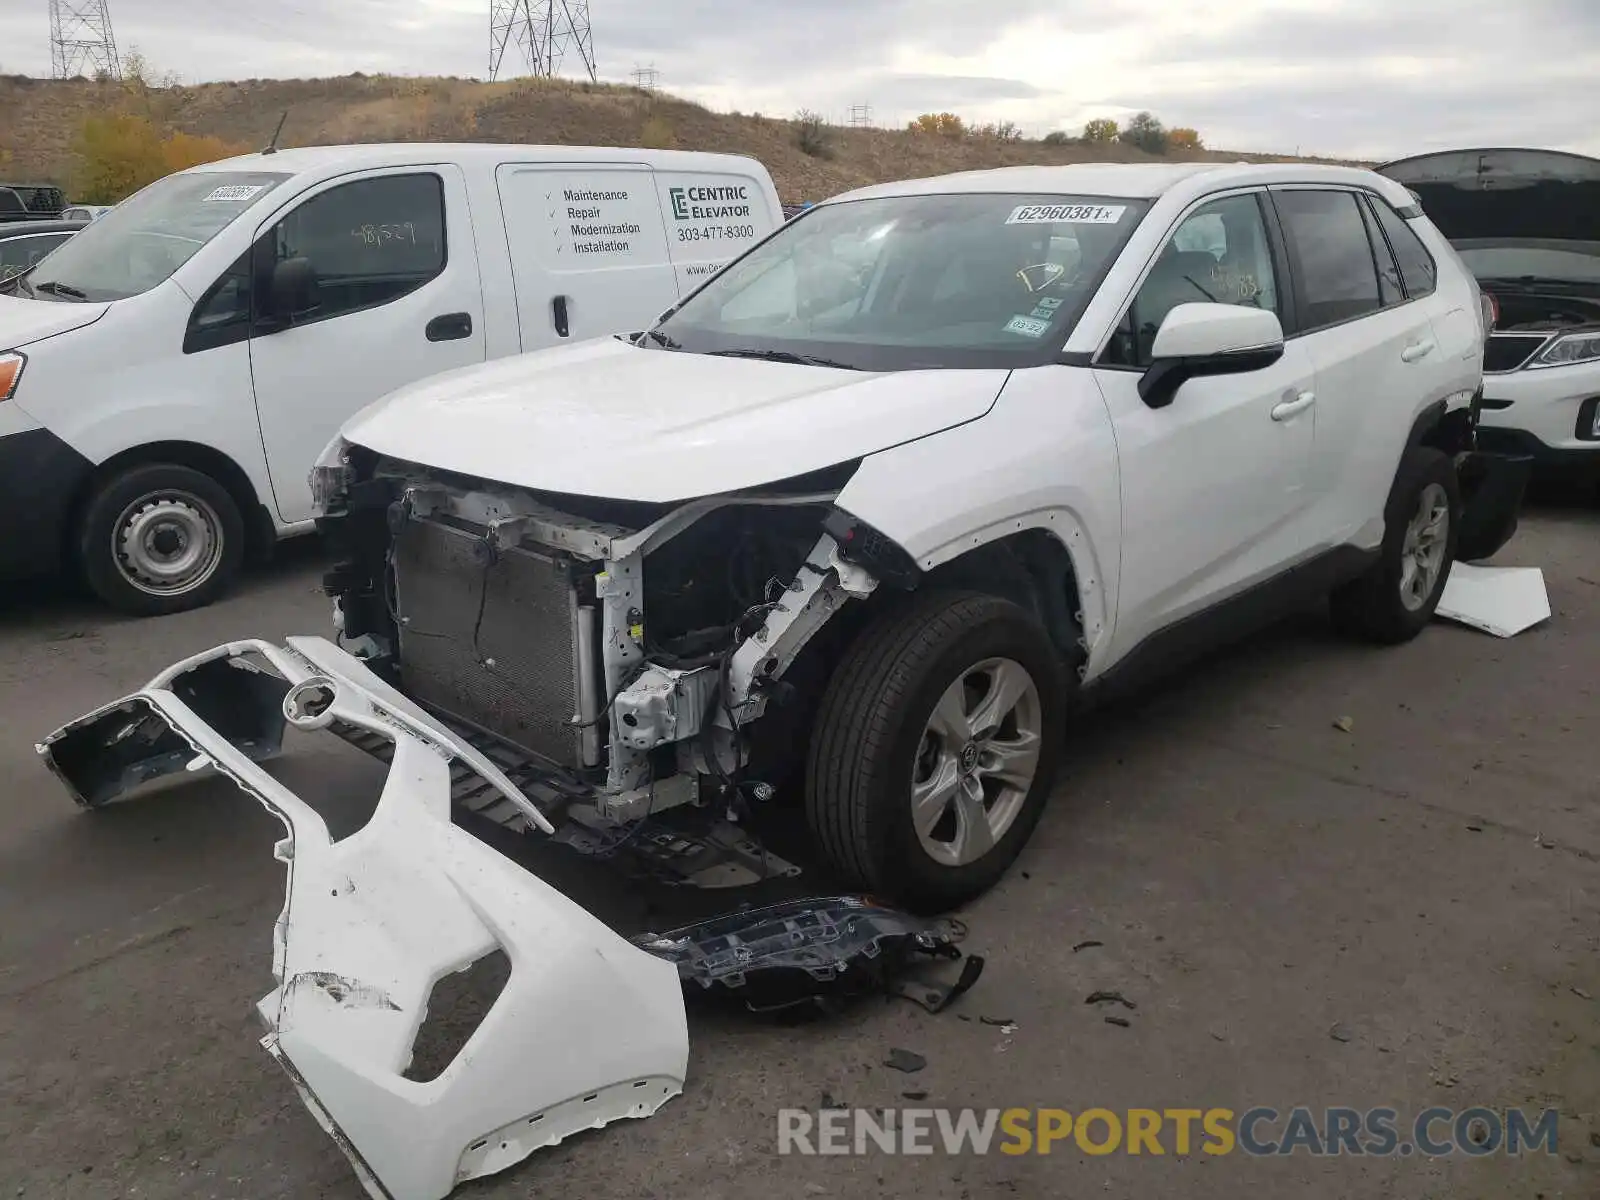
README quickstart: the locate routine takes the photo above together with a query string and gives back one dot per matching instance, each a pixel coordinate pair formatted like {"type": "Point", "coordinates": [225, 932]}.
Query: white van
{"type": "Point", "coordinates": [169, 376]}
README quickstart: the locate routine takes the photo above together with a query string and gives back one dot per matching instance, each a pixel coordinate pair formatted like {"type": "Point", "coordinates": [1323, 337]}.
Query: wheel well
{"type": "Point", "coordinates": [1446, 431]}
{"type": "Point", "coordinates": [1029, 568]}
{"type": "Point", "coordinates": [259, 534]}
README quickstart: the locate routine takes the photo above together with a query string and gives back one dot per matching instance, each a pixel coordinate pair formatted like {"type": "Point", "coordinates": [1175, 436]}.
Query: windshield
{"type": "Point", "coordinates": [907, 282]}
{"type": "Point", "coordinates": [143, 240]}
{"type": "Point", "coordinates": [1533, 259]}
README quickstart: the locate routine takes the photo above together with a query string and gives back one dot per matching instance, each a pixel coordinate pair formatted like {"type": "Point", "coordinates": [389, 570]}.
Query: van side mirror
{"type": "Point", "coordinates": [1208, 339]}
{"type": "Point", "coordinates": [292, 290]}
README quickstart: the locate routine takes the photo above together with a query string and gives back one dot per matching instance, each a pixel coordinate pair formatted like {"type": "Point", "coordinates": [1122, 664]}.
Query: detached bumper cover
{"type": "Point", "coordinates": [588, 1029]}
{"type": "Point", "coordinates": [1492, 487]}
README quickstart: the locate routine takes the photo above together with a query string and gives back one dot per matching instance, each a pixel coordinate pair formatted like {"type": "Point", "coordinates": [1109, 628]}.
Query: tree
{"type": "Point", "coordinates": [119, 153]}
{"type": "Point", "coordinates": [1184, 138]}
{"type": "Point", "coordinates": [812, 134]}
{"type": "Point", "coordinates": [943, 124]}
{"type": "Point", "coordinates": [1100, 130]}
{"type": "Point", "coordinates": [1057, 137]}
{"type": "Point", "coordinates": [1145, 133]}
{"type": "Point", "coordinates": [1003, 131]}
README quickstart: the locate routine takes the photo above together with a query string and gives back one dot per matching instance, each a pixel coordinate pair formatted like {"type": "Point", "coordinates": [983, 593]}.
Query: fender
{"type": "Point", "coordinates": [1043, 458]}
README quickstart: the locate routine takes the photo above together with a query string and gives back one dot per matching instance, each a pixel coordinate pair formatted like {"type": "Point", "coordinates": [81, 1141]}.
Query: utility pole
{"type": "Point", "coordinates": [540, 33]}
{"type": "Point", "coordinates": [81, 41]}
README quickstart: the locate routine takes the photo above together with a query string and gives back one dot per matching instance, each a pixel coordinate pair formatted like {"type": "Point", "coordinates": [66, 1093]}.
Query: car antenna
{"type": "Point", "coordinates": [272, 146]}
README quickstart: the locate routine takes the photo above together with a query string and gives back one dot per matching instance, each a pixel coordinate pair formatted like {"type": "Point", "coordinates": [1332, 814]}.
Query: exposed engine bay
{"type": "Point", "coordinates": [1529, 311]}
{"type": "Point", "coordinates": [615, 655]}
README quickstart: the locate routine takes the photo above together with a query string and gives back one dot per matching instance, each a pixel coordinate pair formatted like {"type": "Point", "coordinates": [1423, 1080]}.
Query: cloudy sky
{"type": "Point", "coordinates": [1372, 78]}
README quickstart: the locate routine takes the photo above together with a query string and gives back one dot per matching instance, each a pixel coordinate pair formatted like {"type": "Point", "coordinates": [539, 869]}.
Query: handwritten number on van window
{"type": "Point", "coordinates": [381, 235]}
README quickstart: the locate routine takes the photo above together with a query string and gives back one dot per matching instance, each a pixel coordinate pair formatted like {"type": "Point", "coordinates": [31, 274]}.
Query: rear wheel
{"type": "Point", "coordinates": [1397, 596]}
{"type": "Point", "coordinates": [160, 538]}
{"type": "Point", "coordinates": [934, 749]}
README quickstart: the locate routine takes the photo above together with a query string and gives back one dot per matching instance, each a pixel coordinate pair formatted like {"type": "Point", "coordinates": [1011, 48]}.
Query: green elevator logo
{"type": "Point", "coordinates": [680, 203]}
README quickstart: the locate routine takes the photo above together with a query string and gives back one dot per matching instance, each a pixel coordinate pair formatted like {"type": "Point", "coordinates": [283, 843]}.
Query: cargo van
{"type": "Point", "coordinates": [169, 376]}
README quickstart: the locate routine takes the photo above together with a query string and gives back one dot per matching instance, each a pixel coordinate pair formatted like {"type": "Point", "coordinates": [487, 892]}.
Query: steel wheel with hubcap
{"type": "Point", "coordinates": [1396, 597]}
{"type": "Point", "coordinates": [934, 748]}
{"type": "Point", "coordinates": [160, 538]}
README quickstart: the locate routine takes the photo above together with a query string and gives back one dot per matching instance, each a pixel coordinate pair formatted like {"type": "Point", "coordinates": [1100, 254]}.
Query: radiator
{"type": "Point", "coordinates": [522, 678]}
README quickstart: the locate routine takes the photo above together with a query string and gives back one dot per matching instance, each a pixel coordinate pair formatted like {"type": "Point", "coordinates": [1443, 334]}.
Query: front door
{"type": "Point", "coordinates": [397, 299]}
{"type": "Point", "coordinates": [1212, 484]}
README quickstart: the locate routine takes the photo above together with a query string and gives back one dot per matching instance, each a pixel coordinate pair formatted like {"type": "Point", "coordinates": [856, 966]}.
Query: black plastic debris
{"type": "Point", "coordinates": [1089, 945]}
{"type": "Point", "coordinates": [908, 1061]}
{"type": "Point", "coordinates": [1110, 998]}
{"type": "Point", "coordinates": [1121, 1021]}
{"type": "Point", "coordinates": [814, 952]}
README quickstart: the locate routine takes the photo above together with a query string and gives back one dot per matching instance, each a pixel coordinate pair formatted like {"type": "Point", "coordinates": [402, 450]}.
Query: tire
{"type": "Point", "coordinates": [872, 741]}
{"type": "Point", "coordinates": [159, 538]}
{"type": "Point", "coordinates": [1393, 601]}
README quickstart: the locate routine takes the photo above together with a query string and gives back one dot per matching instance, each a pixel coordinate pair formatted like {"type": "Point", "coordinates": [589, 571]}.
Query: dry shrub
{"type": "Point", "coordinates": [119, 153]}
{"type": "Point", "coordinates": [657, 134]}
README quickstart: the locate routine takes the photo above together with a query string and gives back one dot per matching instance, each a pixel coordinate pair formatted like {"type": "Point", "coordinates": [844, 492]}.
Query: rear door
{"type": "Point", "coordinates": [588, 249]}
{"type": "Point", "coordinates": [1377, 356]}
{"type": "Point", "coordinates": [398, 297]}
{"type": "Point", "coordinates": [712, 218]}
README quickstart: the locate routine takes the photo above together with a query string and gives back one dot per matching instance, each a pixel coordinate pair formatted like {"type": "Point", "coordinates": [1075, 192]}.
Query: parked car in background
{"type": "Point", "coordinates": [85, 212]}
{"type": "Point", "coordinates": [23, 246]}
{"type": "Point", "coordinates": [168, 381]}
{"type": "Point", "coordinates": [30, 202]}
{"type": "Point", "coordinates": [1527, 224]}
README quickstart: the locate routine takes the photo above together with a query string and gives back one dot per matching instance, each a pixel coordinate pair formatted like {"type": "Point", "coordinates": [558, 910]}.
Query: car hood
{"type": "Point", "coordinates": [23, 322]}
{"type": "Point", "coordinates": [1500, 195]}
{"type": "Point", "coordinates": [607, 418]}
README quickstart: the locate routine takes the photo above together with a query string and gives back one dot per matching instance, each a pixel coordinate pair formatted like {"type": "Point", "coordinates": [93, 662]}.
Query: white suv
{"type": "Point", "coordinates": [853, 526]}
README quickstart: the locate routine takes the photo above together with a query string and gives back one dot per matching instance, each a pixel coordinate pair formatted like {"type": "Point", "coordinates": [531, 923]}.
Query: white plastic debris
{"type": "Point", "coordinates": [1499, 600]}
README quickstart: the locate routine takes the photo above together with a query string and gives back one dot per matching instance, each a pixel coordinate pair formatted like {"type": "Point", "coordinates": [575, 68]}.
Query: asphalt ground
{"type": "Point", "coordinates": [1325, 875]}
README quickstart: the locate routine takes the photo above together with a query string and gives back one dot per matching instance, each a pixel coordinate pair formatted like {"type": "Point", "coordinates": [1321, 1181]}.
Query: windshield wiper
{"type": "Point", "coordinates": [662, 340]}
{"type": "Point", "coordinates": [56, 288]}
{"type": "Point", "coordinates": [784, 356]}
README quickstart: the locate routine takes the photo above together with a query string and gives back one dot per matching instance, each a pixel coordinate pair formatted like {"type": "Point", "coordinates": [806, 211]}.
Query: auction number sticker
{"type": "Point", "coordinates": [234, 192]}
{"type": "Point", "coordinates": [1076, 214]}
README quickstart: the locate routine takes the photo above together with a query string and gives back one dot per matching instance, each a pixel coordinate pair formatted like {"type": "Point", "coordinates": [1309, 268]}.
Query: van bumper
{"type": "Point", "coordinates": [40, 475]}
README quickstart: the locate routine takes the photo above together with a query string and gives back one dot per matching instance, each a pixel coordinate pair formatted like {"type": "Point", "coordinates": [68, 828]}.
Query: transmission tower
{"type": "Point", "coordinates": [81, 41]}
{"type": "Point", "coordinates": [861, 116]}
{"type": "Point", "coordinates": [540, 33]}
{"type": "Point", "coordinates": [646, 78]}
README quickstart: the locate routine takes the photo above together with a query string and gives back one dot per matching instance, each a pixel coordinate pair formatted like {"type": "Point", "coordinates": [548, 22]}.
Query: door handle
{"type": "Point", "coordinates": [1293, 406]}
{"type": "Point", "coordinates": [451, 327]}
{"type": "Point", "coordinates": [558, 313]}
{"type": "Point", "coordinates": [1418, 350]}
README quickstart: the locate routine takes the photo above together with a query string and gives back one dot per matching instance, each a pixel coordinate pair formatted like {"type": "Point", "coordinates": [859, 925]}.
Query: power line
{"type": "Point", "coordinates": [540, 33]}
{"type": "Point", "coordinates": [81, 40]}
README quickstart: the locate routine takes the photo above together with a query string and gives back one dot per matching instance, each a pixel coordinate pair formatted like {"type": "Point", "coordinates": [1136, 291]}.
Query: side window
{"type": "Point", "coordinates": [1417, 268]}
{"type": "Point", "coordinates": [1390, 291]}
{"type": "Point", "coordinates": [1328, 238]}
{"type": "Point", "coordinates": [1219, 253]}
{"type": "Point", "coordinates": [223, 314]}
{"type": "Point", "coordinates": [370, 242]}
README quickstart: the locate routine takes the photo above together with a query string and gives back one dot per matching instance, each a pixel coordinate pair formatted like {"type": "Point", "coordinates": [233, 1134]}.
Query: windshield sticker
{"type": "Point", "coordinates": [1075, 214]}
{"type": "Point", "coordinates": [1027, 326]}
{"type": "Point", "coordinates": [233, 193]}
{"type": "Point", "coordinates": [1041, 275]}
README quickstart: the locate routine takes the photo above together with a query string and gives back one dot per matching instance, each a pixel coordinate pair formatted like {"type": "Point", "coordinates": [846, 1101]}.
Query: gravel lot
{"type": "Point", "coordinates": [1403, 914]}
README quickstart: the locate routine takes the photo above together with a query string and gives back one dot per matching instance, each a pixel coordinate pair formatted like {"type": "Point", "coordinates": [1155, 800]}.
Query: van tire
{"type": "Point", "coordinates": [1374, 607]}
{"type": "Point", "coordinates": [147, 520]}
{"type": "Point", "coordinates": [874, 735]}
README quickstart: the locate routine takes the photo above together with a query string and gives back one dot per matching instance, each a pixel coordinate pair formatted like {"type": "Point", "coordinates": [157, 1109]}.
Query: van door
{"type": "Point", "coordinates": [395, 298]}
{"type": "Point", "coordinates": [712, 218]}
{"type": "Point", "coordinates": [588, 249]}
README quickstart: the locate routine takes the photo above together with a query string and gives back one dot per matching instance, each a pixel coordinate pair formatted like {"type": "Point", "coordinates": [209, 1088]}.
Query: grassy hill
{"type": "Point", "coordinates": [40, 119]}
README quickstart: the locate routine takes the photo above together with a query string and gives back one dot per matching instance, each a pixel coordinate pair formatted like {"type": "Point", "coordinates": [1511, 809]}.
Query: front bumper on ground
{"type": "Point", "coordinates": [1492, 488]}
{"type": "Point", "coordinates": [588, 1029]}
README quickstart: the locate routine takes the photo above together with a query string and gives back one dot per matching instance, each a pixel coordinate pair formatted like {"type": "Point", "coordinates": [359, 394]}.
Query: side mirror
{"type": "Point", "coordinates": [1209, 339]}
{"type": "Point", "coordinates": [293, 289]}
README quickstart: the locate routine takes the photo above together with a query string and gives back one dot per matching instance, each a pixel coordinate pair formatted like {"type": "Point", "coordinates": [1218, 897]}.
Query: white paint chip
{"type": "Point", "coordinates": [1503, 601]}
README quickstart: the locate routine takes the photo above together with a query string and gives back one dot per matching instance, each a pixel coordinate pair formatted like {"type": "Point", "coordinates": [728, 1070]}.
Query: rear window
{"type": "Point", "coordinates": [1418, 271]}
{"type": "Point", "coordinates": [1338, 275]}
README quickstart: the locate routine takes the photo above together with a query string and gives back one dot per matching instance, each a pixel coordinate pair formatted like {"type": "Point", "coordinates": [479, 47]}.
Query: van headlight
{"type": "Point", "coordinates": [11, 365]}
{"type": "Point", "coordinates": [1568, 350]}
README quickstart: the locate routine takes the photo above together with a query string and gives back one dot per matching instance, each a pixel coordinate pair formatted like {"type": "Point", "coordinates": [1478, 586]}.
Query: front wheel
{"type": "Point", "coordinates": [1399, 593]}
{"type": "Point", "coordinates": [160, 538]}
{"type": "Point", "coordinates": [935, 747]}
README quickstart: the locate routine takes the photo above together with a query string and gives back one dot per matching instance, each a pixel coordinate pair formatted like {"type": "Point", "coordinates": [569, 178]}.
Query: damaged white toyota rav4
{"type": "Point", "coordinates": [854, 527]}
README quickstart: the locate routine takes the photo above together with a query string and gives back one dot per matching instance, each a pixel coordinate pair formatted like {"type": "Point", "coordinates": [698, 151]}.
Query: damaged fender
{"type": "Point", "coordinates": [588, 1029]}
